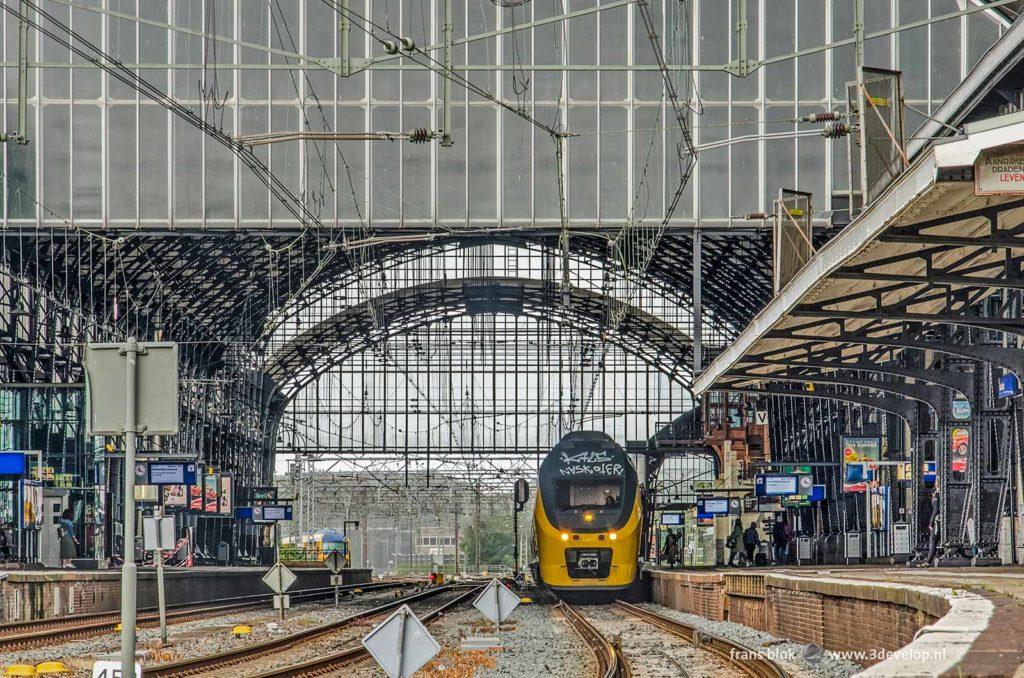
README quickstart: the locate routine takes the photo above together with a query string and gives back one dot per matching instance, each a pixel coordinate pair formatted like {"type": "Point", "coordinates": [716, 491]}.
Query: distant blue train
{"type": "Point", "coordinates": [316, 545]}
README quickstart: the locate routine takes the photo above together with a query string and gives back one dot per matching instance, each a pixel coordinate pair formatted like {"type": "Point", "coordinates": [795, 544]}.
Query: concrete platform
{"type": "Point", "coordinates": [891, 620]}
{"type": "Point", "coordinates": [39, 594]}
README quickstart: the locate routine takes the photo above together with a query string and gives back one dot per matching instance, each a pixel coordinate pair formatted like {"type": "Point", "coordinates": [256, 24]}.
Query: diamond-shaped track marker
{"type": "Point", "coordinates": [279, 578]}
{"type": "Point", "coordinates": [401, 644]}
{"type": "Point", "coordinates": [496, 602]}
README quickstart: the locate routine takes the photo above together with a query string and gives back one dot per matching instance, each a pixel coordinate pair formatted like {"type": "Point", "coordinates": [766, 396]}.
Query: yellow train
{"type": "Point", "coordinates": [588, 520]}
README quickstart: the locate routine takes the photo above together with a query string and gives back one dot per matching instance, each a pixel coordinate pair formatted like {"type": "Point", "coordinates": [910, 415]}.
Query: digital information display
{"type": "Point", "coordinates": [275, 513]}
{"type": "Point", "coordinates": [1008, 386]}
{"type": "Point", "coordinates": [713, 507]}
{"type": "Point", "coordinates": [12, 463]}
{"type": "Point", "coordinates": [776, 485]}
{"type": "Point", "coordinates": [671, 518]}
{"type": "Point", "coordinates": [171, 473]}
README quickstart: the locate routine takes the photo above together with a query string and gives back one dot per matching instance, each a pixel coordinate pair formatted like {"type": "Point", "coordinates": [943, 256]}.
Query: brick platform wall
{"type": "Point", "coordinates": [748, 611]}
{"type": "Point", "coordinates": [850, 624]}
{"type": "Point", "coordinates": [842, 616]}
{"type": "Point", "coordinates": [795, 615]}
{"type": "Point", "coordinates": [37, 598]}
{"type": "Point", "coordinates": [700, 594]}
{"type": "Point", "coordinates": [837, 615]}
{"type": "Point", "coordinates": [43, 594]}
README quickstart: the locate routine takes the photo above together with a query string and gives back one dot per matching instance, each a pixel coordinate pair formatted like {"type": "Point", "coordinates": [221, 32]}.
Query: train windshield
{"type": "Point", "coordinates": [593, 493]}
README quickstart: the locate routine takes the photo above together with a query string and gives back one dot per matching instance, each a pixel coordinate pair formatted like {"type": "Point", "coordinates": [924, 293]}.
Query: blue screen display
{"type": "Point", "coordinates": [1008, 386]}
{"type": "Point", "coordinates": [12, 463]}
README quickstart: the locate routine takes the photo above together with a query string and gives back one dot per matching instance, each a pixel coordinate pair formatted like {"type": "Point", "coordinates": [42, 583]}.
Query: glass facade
{"type": "Point", "coordinates": [103, 156]}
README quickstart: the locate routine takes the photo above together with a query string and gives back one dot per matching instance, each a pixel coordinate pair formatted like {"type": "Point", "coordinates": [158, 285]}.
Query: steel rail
{"type": "Point", "coordinates": [206, 663]}
{"type": "Point", "coordinates": [357, 653]}
{"type": "Point", "coordinates": [28, 634]}
{"type": "Point", "coordinates": [611, 662]}
{"type": "Point", "coordinates": [743, 657]}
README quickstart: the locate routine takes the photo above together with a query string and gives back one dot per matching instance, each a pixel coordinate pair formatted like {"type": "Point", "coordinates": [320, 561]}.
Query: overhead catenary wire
{"type": "Point", "coordinates": [437, 67]}
{"type": "Point", "coordinates": [113, 67]}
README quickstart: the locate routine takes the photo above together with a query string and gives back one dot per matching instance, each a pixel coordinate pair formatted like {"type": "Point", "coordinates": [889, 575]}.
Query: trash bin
{"type": "Point", "coordinates": [223, 553]}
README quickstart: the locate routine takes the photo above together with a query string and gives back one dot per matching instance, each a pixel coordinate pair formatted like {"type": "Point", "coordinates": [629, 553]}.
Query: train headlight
{"type": "Point", "coordinates": [589, 517]}
{"type": "Point", "coordinates": [613, 536]}
{"type": "Point", "coordinates": [565, 536]}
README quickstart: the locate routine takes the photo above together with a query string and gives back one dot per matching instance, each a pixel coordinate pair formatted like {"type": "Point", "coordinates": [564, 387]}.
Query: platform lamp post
{"type": "Point", "coordinates": [348, 541]}
{"type": "Point", "coordinates": [137, 388]}
{"type": "Point", "coordinates": [520, 495]}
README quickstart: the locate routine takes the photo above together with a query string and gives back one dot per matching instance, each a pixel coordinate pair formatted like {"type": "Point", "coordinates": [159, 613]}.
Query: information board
{"type": "Point", "coordinates": [12, 463]}
{"type": "Point", "coordinates": [776, 485]}
{"type": "Point", "coordinates": [712, 507]}
{"type": "Point", "coordinates": [172, 473]}
{"type": "Point", "coordinates": [271, 512]}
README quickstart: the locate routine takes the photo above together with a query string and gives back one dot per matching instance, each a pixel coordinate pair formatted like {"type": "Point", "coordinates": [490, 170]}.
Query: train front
{"type": "Point", "coordinates": [587, 522]}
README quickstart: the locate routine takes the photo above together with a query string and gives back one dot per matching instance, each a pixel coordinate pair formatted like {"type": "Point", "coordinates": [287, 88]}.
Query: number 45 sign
{"type": "Point", "coordinates": [112, 669]}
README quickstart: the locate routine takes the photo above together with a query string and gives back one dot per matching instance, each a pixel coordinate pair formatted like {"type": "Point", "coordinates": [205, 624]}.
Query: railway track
{"type": "Point", "coordinates": [356, 653]}
{"type": "Point", "coordinates": [611, 662]}
{"type": "Point", "coordinates": [26, 635]}
{"type": "Point", "coordinates": [208, 663]}
{"type": "Point", "coordinates": [742, 657]}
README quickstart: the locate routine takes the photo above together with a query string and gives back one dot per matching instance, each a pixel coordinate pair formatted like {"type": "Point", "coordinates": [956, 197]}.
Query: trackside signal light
{"type": "Point", "coordinates": [613, 536]}
{"type": "Point", "coordinates": [565, 536]}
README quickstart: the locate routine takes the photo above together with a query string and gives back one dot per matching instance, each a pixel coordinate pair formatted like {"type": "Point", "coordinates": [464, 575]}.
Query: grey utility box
{"type": "Point", "coordinates": [853, 547]}
{"type": "Point", "coordinates": [804, 550]}
{"type": "Point", "coordinates": [900, 542]}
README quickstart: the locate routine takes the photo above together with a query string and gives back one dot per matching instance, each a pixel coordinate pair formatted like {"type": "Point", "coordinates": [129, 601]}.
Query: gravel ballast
{"type": "Point", "coordinates": [798, 658]}
{"type": "Point", "coordinates": [543, 644]}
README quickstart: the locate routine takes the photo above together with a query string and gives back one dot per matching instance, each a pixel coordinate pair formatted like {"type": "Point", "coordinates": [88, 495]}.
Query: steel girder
{"type": "Point", "coordinates": [356, 328]}
{"type": "Point", "coordinates": [961, 382]}
{"type": "Point", "coordinates": [925, 393]}
{"type": "Point", "coordinates": [901, 407]}
{"type": "Point", "coordinates": [1008, 358]}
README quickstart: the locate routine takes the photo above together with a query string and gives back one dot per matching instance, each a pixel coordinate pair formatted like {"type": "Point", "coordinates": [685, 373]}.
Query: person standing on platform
{"type": "Point", "coordinates": [68, 541]}
{"type": "Point", "coordinates": [751, 540]}
{"type": "Point", "coordinates": [671, 548]}
{"type": "Point", "coordinates": [735, 541]}
{"type": "Point", "coordinates": [780, 540]}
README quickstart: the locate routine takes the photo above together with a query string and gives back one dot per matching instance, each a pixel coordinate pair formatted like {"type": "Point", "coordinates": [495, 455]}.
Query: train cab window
{"type": "Point", "coordinates": [599, 493]}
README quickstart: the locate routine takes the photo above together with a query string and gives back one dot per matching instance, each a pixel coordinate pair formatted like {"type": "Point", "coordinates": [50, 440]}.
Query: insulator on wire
{"type": "Point", "coordinates": [756, 216]}
{"type": "Point", "coordinates": [420, 135]}
{"type": "Point", "coordinates": [823, 116]}
{"type": "Point", "coordinates": [836, 130]}
{"type": "Point", "coordinates": [408, 44]}
{"type": "Point", "coordinates": [390, 47]}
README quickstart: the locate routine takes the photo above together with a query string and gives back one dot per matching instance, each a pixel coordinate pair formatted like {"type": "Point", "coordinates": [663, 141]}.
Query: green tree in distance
{"type": "Point", "coordinates": [496, 542]}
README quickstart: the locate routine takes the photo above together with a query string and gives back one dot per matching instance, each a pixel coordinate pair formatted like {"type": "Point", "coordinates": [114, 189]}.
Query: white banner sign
{"type": "Point", "coordinates": [1000, 170]}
